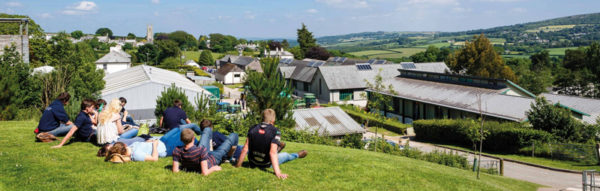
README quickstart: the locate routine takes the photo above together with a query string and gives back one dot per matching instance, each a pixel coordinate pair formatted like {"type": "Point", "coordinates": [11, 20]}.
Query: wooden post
{"type": "Point", "coordinates": [532, 149]}
{"type": "Point", "coordinates": [598, 152]}
{"type": "Point", "coordinates": [501, 167]}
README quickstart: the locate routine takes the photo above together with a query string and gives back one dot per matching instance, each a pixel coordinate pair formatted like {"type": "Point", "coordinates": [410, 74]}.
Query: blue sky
{"type": "Point", "coordinates": [281, 18]}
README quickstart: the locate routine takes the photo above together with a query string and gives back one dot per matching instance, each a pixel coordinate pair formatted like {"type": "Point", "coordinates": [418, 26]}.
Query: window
{"type": "Point", "coordinates": [346, 95]}
{"type": "Point", "coordinates": [104, 66]}
{"type": "Point", "coordinates": [236, 75]}
{"type": "Point", "coordinates": [306, 86]}
{"type": "Point", "coordinates": [320, 87]}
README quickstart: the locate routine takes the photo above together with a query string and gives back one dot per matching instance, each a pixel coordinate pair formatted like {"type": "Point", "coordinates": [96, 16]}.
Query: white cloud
{"type": "Point", "coordinates": [156, 1]}
{"type": "Point", "coordinates": [312, 11]}
{"type": "Point", "coordinates": [81, 8]}
{"type": "Point", "coordinates": [434, 2]}
{"type": "Point", "coordinates": [501, 1]}
{"type": "Point", "coordinates": [345, 3]}
{"type": "Point", "coordinates": [249, 15]}
{"type": "Point", "coordinates": [13, 4]}
{"type": "Point", "coordinates": [46, 15]}
{"type": "Point", "coordinates": [518, 10]}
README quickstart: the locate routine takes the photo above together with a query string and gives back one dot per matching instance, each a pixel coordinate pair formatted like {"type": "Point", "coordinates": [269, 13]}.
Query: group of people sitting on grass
{"type": "Point", "coordinates": [110, 127]}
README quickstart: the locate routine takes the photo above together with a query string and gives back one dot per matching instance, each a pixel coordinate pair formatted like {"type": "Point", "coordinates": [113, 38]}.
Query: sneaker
{"type": "Point", "coordinates": [45, 137]}
{"type": "Point", "coordinates": [302, 153]}
{"type": "Point", "coordinates": [281, 146]}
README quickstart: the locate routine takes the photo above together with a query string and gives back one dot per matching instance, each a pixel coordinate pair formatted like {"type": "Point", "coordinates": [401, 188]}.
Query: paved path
{"type": "Point", "coordinates": [553, 179]}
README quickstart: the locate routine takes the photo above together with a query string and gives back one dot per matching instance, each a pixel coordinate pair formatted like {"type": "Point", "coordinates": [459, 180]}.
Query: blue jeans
{"type": "Point", "coordinates": [286, 157]}
{"type": "Point", "coordinates": [131, 140]}
{"type": "Point", "coordinates": [129, 120]}
{"type": "Point", "coordinates": [61, 130]}
{"type": "Point", "coordinates": [220, 152]}
{"type": "Point", "coordinates": [172, 138]}
{"type": "Point", "coordinates": [129, 134]}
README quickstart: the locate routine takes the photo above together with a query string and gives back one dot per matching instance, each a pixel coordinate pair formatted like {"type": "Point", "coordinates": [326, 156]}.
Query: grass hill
{"type": "Point", "coordinates": [27, 165]}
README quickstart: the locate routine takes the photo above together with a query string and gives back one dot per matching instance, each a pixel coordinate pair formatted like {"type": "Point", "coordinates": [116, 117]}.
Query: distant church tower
{"type": "Point", "coordinates": [149, 34]}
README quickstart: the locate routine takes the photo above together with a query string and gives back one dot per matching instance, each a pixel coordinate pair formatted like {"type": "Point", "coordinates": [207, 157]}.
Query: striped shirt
{"type": "Point", "coordinates": [190, 158]}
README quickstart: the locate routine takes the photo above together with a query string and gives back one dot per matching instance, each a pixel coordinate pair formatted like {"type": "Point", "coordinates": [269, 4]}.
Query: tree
{"type": "Point", "coordinates": [306, 39]}
{"type": "Point", "coordinates": [202, 45]}
{"type": "Point", "coordinates": [130, 36]}
{"type": "Point", "coordinates": [168, 96]}
{"type": "Point", "coordinates": [161, 36]}
{"type": "Point", "coordinates": [184, 40]}
{"type": "Point", "coordinates": [556, 120]}
{"type": "Point", "coordinates": [206, 58]}
{"type": "Point", "coordinates": [170, 63]}
{"type": "Point", "coordinates": [285, 44]}
{"type": "Point", "coordinates": [16, 84]}
{"type": "Point", "coordinates": [268, 89]}
{"type": "Point", "coordinates": [540, 61]}
{"type": "Point", "coordinates": [167, 48]}
{"type": "Point", "coordinates": [478, 58]}
{"type": "Point", "coordinates": [298, 54]}
{"type": "Point", "coordinates": [77, 34]}
{"type": "Point", "coordinates": [582, 74]}
{"type": "Point", "coordinates": [127, 46]}
{"type": "Point", "coordinates": [377, 102]}
{"type": "Point", "coordinates": [319, 53]}
{"type": "Point", "coordinates": [148, 53]}
{"type": "Point", "coordinates": [534, 81]}
{"type": "Point", "coordinates": [104, 32]}
{"type": "Point", "coordinates": [274, 45]}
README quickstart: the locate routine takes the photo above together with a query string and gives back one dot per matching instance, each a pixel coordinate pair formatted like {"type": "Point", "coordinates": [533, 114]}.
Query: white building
{"type": "Point", "coordinates": [279, 53]}
{"type": "Point", "coordinates": [192, 63]}
{"type": "Point", "coordinates": [116, 60]}
{"type": "Point", "coordinates": [230, 74]}
{"type": "Point", "coordinates": [142, 85]}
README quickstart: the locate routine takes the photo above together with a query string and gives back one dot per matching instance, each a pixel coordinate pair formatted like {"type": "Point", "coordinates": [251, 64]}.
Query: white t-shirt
{"type": "Point", "coordinates": [108, 132]}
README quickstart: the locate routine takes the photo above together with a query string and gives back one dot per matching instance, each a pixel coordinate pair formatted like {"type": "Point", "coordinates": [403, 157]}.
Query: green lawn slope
{"type": "Point", "coordinates": [27, 165]}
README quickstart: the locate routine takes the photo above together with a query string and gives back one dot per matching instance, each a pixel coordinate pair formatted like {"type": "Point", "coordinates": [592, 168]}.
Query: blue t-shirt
{"type": "Point", "coordinates": [139, 150]}
{"type": "Point", "coordinates": [53, 115]}
{"type": "Point", "coordinates": [84, 125]}
{"type": "Point", "coordinates": [172, 117]}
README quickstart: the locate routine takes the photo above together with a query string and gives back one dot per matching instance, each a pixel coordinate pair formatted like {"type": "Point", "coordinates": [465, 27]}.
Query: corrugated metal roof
{"type": "Point", "coordinates": [303, 73]}
{"type": "Point", "coordinates": [226, 68]}
{"type": "Point", "coordinates": [142, 74]}
{"type": "Point", "coordinates": [115, 57]}
{"type": "Point", "coordinates": [332, 121]}
{"type": "Point", "coordinates": [437, 67]}
{"type": "Point", "coordinates": [287, 71]}
{"type": "Point", "coordinates": [349, 77]}
{"type": "Point", "coordinates": [463, 97]}
{"type": "Point", "coordinates": [587, 105]}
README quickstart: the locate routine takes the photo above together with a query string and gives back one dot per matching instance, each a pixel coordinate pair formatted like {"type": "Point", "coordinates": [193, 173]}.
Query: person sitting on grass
{"type": "Point", "coordinates": [218, 139]}
{"type": "Point", "coordinates": [83, 124]}
{"type": "Point", "coordinates": [127, 119]}
{"type": "Point", "coordinates": [198, 157]}
{"type": "Point", "coordinates": [262, 145]}
{"type": "Point", "coordinates": [174, 117]}
{"type": "Point", "coordinates": [54, 121]}
{"type": "Point", "coordinates": [110, 129]}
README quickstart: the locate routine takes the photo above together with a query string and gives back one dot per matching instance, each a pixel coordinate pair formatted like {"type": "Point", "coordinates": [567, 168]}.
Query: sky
{"type": "Point", "coordinates": [281, 18]}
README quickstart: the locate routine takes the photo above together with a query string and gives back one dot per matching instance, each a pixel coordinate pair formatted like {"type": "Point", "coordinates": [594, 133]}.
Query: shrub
{"type": "Point", "coordinates": [353, 141]}
{"type": "Point", "coordinates": [166, 98]}
{"type": "Point", "coordinates": [506, 137]}
{"type": "Point", "coordinates": [361, 117]}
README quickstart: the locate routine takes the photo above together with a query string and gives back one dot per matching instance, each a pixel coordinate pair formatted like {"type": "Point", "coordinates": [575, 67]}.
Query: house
{"type": "Point", "coordinates": [346, 83]}
{"type": "Point", "coordinates": [116, 60]}
{"type": "Point", "coordinates": [427, 95]}
{"type": "Point", "coordinates": [330, 121]}
{"type": "Point", "coordinates": [43, 70]}
{"type": "Point", "coordinates": [142, 85]}
{"type": "Point", "coordinates": [243, 62]}
{"type": "Point", "coordinates": [230, 74]}
{"type": "Point", "coordinates": [279, 53]}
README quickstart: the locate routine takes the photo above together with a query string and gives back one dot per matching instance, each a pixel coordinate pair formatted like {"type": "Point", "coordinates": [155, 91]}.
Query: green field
{"type": "Point", "coordinates": [558, 51]}
{"type": "Point", "coordinates": [27, 165]}
{"type": "Point", "coordinates": [194, 55]}
{"type": "Point", "coordinates": [551, 28]}
{"type": "Point", "coordinates": [391, 53]}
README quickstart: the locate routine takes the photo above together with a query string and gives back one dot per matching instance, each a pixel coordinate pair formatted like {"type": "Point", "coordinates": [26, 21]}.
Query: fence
{"type": "Point", "coordinates": [589, 180]}
{"type": "Point", "coordinates": [487, 166]}
{"type": "Point", "coordinates": [581, 153]}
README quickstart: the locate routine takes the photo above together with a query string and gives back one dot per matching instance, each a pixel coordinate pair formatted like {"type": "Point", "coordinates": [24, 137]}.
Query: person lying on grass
{"type": "Point", "coordinates": [82, 129]}
{"type": "Point", "coordinates": [262, 146]}
{"type": "Point", "coordinates": [54, 121]}
{"type": "Point", "coordinates": [190, 156]}
{"type": "Point", "coordinates": [149, 150]}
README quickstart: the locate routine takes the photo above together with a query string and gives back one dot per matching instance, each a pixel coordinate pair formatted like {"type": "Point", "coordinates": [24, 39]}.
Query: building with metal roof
{"type": "Point", "coordinates": [142, 85]}
{"type": "Point", "coordinates": [331, 121]}
{"type": "Point", "coordinates": [116, 60]}
{"type": "Point", "coordinates": [586, 109]}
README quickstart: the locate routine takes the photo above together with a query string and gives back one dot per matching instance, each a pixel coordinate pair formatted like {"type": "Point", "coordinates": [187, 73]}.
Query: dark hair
{"type": "Point", "coordinates": [100, 102]}
{"type": "Point", "coordinates": [64, 97]}
{"type": "Point", "coordinates": [205, 123]}
{"type": "Point", "coordinates": [177, 103]}
{"type": "Point", "coordinates": [87, 103]}
{"type": "Point", "coordinates": [187, 136]}
{"type": "Point", "coordinates": [123, 100]}
{"type": "Point", "coordinates": [103, 151]}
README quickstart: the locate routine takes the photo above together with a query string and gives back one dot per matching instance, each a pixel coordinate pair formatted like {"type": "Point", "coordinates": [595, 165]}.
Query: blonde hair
{"type": "Point", "coordinates": [268, 115]}
{"type": "Point", "coordinates": [113, 108]}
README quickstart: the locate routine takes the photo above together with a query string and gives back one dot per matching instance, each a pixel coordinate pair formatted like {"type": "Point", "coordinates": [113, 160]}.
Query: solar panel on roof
{"type": "Point", "coordinates": [371, 61]}
{"type": "Point", "coordinates": [363, 66]}
{"type": "Point", "coordinates": [408, 66]}
{"type": "Point", "coordinates": [319, 63]}
{"type": "Point", "coordinates": [343, 59]}
{"type": "Point", "coordinates": [380, 62]}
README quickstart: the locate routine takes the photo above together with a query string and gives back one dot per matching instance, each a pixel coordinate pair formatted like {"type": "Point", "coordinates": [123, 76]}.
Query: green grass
{"type": "Point", "coordinates": [194, 55]}
{"type": "Point", "coordinates": [27, 165]}
{"type": "Point", "coordinates": [551, 28]}
{"type": "Point", "coordinates": [391, 53]}
{"type": "Point", "coordinates": [382, 131]}
{"type": "Point", "coordinates": [569, 165]}
{"type": "Point", "coordinates": [558, 51]}
{"type": "Point", "coordinates": [439, 45]}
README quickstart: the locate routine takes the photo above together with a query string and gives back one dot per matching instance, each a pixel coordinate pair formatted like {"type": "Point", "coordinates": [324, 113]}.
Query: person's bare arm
{"type": "Point", "coordinates": [175, 167]}
{"type": "Point", "coordinates": [154, 156]}
{"type": "Point", "coordinates": [125, 116]}
{"type": "Point", "coordinates": [275, 162]}
{"type": "Point", "coordinates": [68, 123]}
{"type": "Point", "coordinates": [94, 117]}
{"type": "Point", "coordinates": [67, 137]}
{"type": "Point", "coordinates": [205, 170]}
{"type": "Point", "coordinates": [242, 155]}
{"type": "Point", "coordinates": [187, 120]}
{"type": "Point", "coordinates": [120, 127]}
{"type": "Point", "coordinates": [161, 122]}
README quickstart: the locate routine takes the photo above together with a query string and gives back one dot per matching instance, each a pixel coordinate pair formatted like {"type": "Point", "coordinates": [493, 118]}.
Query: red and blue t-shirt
{"type": "Point", "coordinates": [190, 158]}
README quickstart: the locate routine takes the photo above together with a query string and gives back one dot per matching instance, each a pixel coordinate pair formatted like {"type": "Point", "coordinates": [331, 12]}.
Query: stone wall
{"type": "Point", "coordinates": [8, 40]}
